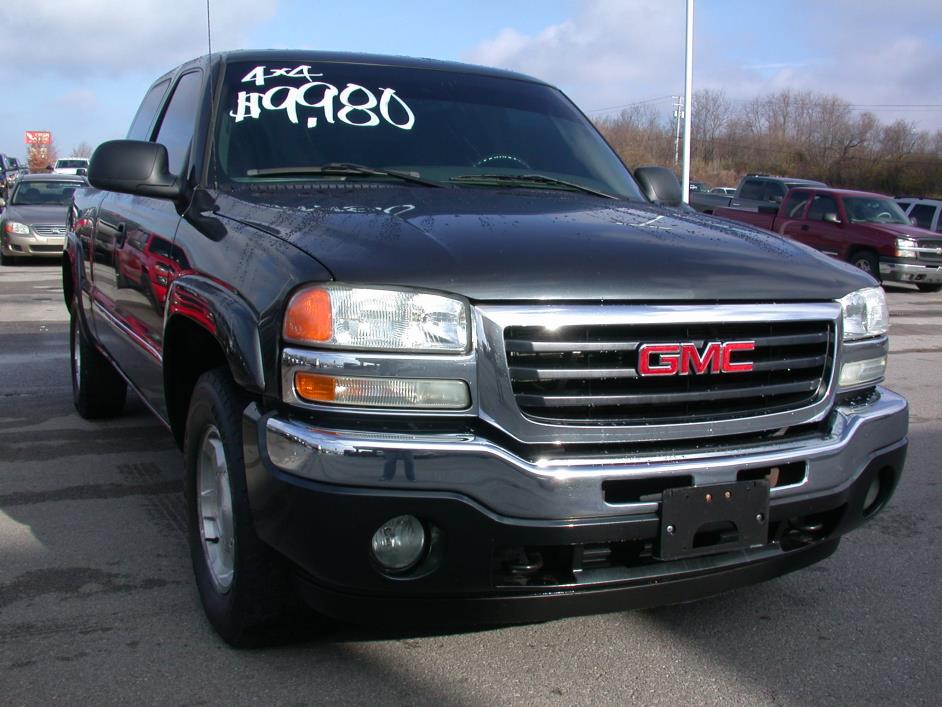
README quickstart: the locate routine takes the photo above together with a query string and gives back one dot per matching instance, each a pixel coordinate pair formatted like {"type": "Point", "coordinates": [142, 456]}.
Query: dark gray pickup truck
{"type": "Point", "coordinates": [432, 353]}
{"type": "Point", "coordinates": [754, 190]}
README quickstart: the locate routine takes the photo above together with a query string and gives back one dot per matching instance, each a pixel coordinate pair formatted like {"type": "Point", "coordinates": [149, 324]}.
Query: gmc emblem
{"type": "Point", "coordinates": [682, 359]}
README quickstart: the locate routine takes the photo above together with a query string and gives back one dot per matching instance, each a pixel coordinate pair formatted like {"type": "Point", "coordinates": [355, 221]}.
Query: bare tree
{"type": "Point", "coordinates": [83, 149]}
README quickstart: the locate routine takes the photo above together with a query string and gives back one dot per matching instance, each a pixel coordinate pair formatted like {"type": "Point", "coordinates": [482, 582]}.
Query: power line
{"type": "Point", "coordinates": [629, 105]}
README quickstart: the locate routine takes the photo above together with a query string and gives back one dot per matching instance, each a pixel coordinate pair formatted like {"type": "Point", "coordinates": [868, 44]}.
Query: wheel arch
{"type": "Point", "coordinates": [206, 326]}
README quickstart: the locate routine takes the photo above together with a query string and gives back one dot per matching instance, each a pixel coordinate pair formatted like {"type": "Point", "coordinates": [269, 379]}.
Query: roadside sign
{"type": "Point", "coordinates": [38, 137]}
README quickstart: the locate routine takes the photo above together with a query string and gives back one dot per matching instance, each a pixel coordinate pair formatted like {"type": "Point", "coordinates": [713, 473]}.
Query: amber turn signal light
{"type": "Point", "coordinates": [309, 316]}
{"type": "Point", "coordinates": [316, 388]}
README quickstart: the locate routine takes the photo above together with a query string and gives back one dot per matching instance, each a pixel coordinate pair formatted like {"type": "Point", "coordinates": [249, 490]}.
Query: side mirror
{"type": "Point", "coordinates": [659, 185]}
{"type": "Point", "coordinates": [134, 167]}
{"type": "Point", "coordinates": [778, 199]}
{"type": "Point", "coordinates": [3, 203]}
{"type": "Point", "coordinates": [832, 217]}
{"type": "Point", "coordinates": [81, 171]}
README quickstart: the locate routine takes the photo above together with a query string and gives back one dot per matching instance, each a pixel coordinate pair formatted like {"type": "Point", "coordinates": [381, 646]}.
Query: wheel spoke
{"type": "Point", "coordinates": [215, 509]}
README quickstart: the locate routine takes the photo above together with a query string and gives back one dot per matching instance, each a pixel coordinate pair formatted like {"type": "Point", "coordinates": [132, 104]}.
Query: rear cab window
{"type": "Point", "coordinates": [751, 189]}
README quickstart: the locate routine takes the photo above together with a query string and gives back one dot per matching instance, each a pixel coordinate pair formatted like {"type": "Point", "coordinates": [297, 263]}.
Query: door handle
{"type": "Point", "coordinates": [120, 234]}
{"type": "Point", "coordinates": [804, 227]}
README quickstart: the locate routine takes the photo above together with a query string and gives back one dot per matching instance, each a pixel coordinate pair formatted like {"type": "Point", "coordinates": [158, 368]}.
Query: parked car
{"type": "Point", "coordinates": [753, 190]}
{"type": "Point", "coordinates": [865, 229]}
{"type": "Point", "coordinates": [34, 220]}
{"type": "Point", "coordinates": [725, 191]}
{"type": "Point", "coordinates": [71, 165]}
{"type": "Point", "coordinates": [699, 186]}
{"type": "Point", "coordinates": [434, 354]}
{"type": "Point", "coordinates": [10, 171]}
{"type": "Point", "coordinates": [925, 213]}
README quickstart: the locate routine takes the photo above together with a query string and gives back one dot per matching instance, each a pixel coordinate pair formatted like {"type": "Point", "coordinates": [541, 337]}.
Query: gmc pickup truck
{"type": "Point", "coordinates": [433, 354]}
{"type": "Point", "coordinates": [867, 230]}
{"type": "Point", "coordinates": [754, 190]}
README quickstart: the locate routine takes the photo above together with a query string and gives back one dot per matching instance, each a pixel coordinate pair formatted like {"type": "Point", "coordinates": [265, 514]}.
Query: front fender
{"type": "Point", "coordinates": [228, 318]}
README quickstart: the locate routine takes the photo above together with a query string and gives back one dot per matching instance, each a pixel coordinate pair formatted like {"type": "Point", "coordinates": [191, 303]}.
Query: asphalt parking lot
{"type": "Point", "coordinates": [97, 604]}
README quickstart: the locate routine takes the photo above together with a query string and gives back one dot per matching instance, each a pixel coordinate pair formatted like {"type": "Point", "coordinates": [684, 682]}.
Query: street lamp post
{"type": "Point", "coordinates": [688, 81]}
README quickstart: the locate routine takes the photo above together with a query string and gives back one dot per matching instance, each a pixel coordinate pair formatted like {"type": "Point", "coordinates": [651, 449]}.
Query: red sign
{"type": "Point", "coordinates": [38, 137]}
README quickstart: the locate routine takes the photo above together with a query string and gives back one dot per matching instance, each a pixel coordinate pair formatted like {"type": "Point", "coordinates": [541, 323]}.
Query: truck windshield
{"type": "Point", "coordinates": [873, 210]}
{"type": "Point", "coordinates": [280, 122]}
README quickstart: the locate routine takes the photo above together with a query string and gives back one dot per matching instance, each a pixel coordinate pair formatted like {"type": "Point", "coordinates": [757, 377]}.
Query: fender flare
{"type": "Point", "coordinates": [225, 316]}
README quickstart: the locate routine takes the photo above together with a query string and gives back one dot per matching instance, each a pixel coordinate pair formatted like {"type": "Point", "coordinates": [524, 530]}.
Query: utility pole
{"type": "Point", "coordinates": [678, 116]}
{"type": "Point", "coordinates": [688, 87]}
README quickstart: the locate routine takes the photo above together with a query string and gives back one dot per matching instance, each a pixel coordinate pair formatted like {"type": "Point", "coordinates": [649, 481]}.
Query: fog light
{"type": "Point", "coordinates": [869, 370]}
{"type": "Point", "coordinates": [398, 544]}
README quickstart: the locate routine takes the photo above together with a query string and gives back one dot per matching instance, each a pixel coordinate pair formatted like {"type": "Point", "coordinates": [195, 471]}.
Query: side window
{"type": "Point", "coordinates": [923, 214]}
{"type": "Point", "coordinates": [144, 118]}
{"type": "Point", "coordinates": [774, 191]}
{"type": "Point", "coordinates": [176, 127]}
{"type": "Point", "coordinates": [751, 189]}
{"type": "Point", "coordinates": [821, 207]}
{"type": "Point", "coordinates": [904, 205]}
{"type": "Point", "coordinates": [795, 205]}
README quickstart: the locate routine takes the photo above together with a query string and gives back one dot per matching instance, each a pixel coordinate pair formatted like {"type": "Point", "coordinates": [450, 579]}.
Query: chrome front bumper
{"type": "Point", "coordinates": [565, 487]}
{"type": "Point", "coordinates": [911, 272]}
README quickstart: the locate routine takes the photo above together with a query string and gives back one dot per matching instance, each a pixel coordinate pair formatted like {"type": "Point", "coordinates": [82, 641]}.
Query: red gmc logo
{"type": "Point", "coordinates": [684, 359]}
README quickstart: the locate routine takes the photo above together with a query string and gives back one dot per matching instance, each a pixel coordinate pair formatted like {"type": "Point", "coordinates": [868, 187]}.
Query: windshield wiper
{"type": "Point", "coordinates": [341, 169]}
{"type": "Point", "coordinates": [529, 179]}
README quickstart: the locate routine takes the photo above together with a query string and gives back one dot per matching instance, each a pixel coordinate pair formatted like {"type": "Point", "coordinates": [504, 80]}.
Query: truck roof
{"type": "Point", "coordinates": [322, 57]}
{"type": "Point", "coordinates": [847, 192]}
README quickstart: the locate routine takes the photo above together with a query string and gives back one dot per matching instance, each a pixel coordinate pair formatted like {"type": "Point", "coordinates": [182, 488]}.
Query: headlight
{"type": "Point", "coordinates": [865, 314]}
{"type": "Point", "coordinates": [905, 248]}
{"type": "Point", "coordinates": [339, 316]}
{"type": "Point", "coordinates": [20, 229]}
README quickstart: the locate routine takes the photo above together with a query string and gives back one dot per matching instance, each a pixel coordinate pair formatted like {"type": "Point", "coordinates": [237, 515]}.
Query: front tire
{"type": "Point", "coordinates": [98, 390]}
{"type": "Point", "coordinates": [866, 261]}
{"type": "Point", "coordinates": [243, 585]}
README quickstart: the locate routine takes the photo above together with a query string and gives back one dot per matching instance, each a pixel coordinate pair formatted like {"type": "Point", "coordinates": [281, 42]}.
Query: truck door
{"type": "Point", "coordinates": [822, 228]}
{"type": "Point", "coordinates": [131, 309]}
{"type": "Point", "coordinates": [791, 216]}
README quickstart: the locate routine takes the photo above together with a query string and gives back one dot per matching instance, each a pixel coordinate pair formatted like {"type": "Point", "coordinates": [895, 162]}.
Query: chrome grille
{"type": "Point", "coordinates": [50, 230]}
{"type": "Point", "coordinates": [588, 374]}
{"type": "Point", "coordinates": [934, 258]}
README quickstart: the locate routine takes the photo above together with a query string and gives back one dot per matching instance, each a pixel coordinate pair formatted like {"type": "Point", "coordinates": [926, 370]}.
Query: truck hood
{"type": "Point", "coordinates": [492, 245]}
{"type": "Point", "coordinates": [900, 230]}
{"type": "Point", "coordinates": [36, 214]}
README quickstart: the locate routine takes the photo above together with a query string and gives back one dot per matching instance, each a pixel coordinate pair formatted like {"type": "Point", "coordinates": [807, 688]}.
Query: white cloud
{"type": "Point", "coordinates": [113, 37]}
{"type": "Point", "coordinates": [615, 52]}
{"type": "Point", "coordinates": [610, 52]}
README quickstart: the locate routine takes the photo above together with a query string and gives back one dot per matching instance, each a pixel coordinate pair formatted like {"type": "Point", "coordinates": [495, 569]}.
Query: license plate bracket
{"type": "Point", "coordinates": [705, 520]}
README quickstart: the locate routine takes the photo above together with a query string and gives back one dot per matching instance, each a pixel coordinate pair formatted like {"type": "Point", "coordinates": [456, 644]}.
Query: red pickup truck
{"type": "Point", "coordinates": [865, 229]}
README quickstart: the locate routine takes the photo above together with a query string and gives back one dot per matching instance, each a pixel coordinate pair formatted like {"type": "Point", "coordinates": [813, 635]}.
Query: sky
{"type": "Point", "coordinates": [80, 68]}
